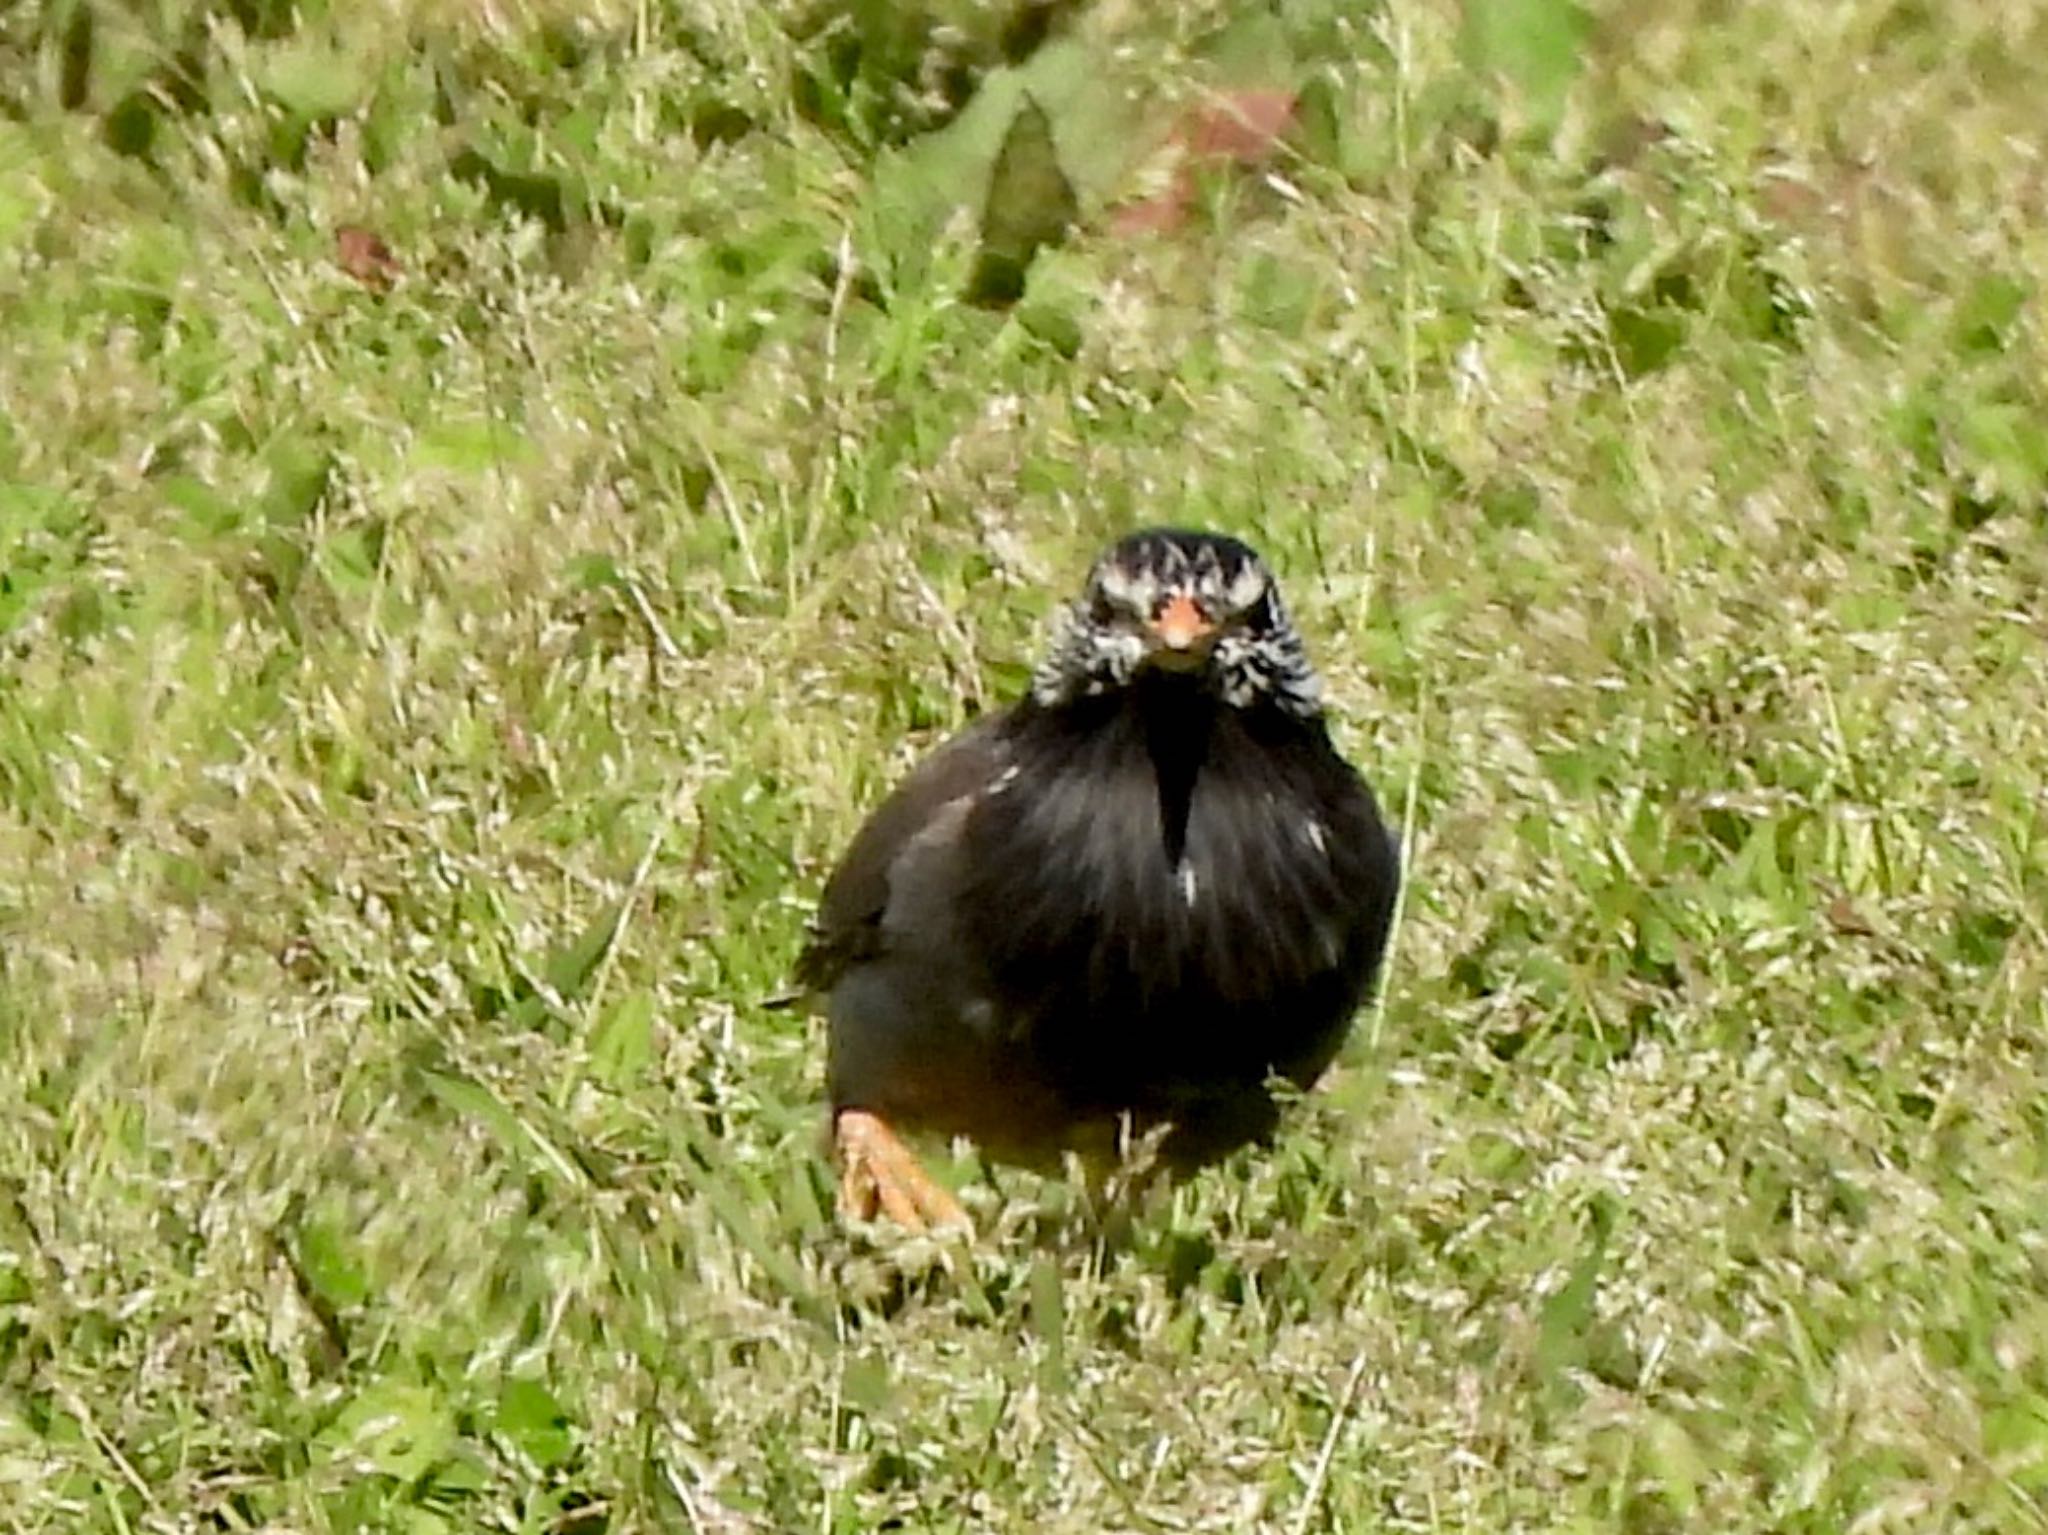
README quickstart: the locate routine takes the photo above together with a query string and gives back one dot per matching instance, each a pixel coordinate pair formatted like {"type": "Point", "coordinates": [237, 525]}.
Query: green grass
{"type": "Point", "coordinates": [425, 719]}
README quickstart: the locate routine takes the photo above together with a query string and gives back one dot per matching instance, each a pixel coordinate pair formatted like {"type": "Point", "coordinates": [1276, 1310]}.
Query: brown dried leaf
{"type": "Point", "coordinates": [1241, 128]}
{"type": "Point", "coordinates": [365, 257]}
{"type": "Point", "coordinates": [1156, 215]}
{"type": "Point", "coordinates": [1844, 917]}
{"type": "Point", "coordinates": [1237, 128]}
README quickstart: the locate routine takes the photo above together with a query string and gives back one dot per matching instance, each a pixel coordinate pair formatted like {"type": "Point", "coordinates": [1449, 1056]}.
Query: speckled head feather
{"type": "Point", "coordinates": [1249, 653]}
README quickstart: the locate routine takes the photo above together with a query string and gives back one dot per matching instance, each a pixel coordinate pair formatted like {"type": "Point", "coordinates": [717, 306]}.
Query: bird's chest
{"type": "Point", "coordinates": [1159, 903]}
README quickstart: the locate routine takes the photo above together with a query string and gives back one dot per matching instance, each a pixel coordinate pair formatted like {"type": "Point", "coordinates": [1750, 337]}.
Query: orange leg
{"type": "Point", "coordinates": [878, 1175]}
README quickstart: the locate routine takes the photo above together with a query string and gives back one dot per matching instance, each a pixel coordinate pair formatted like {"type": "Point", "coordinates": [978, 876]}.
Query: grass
{"type": "Point", "coordinates": [426, 716]}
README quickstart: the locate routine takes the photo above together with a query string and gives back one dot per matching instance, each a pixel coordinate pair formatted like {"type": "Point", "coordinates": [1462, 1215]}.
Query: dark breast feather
{"type": "Point", "coordinates": [1131, 995]}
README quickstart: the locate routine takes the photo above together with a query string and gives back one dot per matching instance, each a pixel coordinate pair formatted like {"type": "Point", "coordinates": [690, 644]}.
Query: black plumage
{"type": "Point", "coordinates": [1132, 899]}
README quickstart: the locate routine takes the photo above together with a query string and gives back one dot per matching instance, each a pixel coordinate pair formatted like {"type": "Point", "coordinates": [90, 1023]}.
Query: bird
{"type": "Point", "coordinates": [1135, 902]}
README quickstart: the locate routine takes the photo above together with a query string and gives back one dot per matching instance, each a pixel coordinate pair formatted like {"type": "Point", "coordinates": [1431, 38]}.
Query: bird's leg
{"type": "Point", "coordinates": [878, 1175]}
{"type": "Point", "coordinates": [1121, 1181]}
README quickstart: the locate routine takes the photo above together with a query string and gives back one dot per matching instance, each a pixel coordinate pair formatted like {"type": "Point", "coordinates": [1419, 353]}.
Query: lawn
{"type": "Point", "coordinates": [490, 495]}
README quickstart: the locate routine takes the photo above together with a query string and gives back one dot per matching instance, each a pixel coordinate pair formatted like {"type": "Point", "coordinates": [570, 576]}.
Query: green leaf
{"type": "Point", "coordinates": [329, 1266]}
{"type": "Point", "coordinates": [1049, 1322]}
{"type": "Point", "coordinates": [1030, 204]}
{"type": "Point", "coordinates": [464, 1473]}
{"type": "Point", "coordinates": [622, 1044]}
{"type": "Point", "coordinates": [1251, 50]}
{"type": "Point", "coordinates": [299, 476]}
{"type": "Point", "coordinates": [470, 447]}
{"type": "Point", "coordinates": [2016, 1438]}
{"type": "Point", "coordinates": [864, 1382]}
{"type": "Point", "coordinates": [2006, 444]}
{"type": "Point", "coordinates": [1674, 1459]}
{"type": "Point", "coordinates": [570, 967]}
{"type": "Point", "coordinates": [1990, 311]}
{"type": "Point", "coordinates": [1089, 117]}
{"type": "Point", "coordinates": [395, 1428]}
{"type": "Point", "coordinates": [474, 1101]}
{"type": "Point", "coordinates": [84, 613]}
{"type": "Point", "coordinates": [207, 512]}
{"type": "Point", "coordinates": [1535, 45]}
{"type": "Point", "coordinates": [533, 1422]}
{"type": "Point", "coordinates": [1059, 295]}
{"type": "Point", "coordinates": [312, 79]}
{"type": "Point", "coordinates": [37, 546]}
{"type": "Point", "coordinates": [1567, 1315]}
{"type": "Point", "coordinates": [349, 559]}
{"type": "Point", "coordinates": [596, 572]}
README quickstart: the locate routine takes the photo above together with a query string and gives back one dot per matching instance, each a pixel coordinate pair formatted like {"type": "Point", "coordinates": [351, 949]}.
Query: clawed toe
{"type": "Point", "coordinates": [879, 1176]}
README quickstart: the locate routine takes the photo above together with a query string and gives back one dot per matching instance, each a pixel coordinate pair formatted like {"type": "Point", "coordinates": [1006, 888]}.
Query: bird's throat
{"type": "Point", "coordinates": [1177, 715]}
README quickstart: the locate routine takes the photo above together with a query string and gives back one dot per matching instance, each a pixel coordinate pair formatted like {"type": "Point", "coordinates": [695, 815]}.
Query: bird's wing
{"type": "Point", "coordinates": [850, 912]}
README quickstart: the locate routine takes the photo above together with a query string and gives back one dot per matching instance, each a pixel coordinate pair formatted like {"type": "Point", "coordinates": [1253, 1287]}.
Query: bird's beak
{"type": "Point", "coordinates": [1181, 633]}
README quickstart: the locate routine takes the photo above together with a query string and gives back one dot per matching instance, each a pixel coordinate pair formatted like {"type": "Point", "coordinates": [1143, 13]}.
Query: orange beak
{"type": "Point", "coordinates": [1180, 624]}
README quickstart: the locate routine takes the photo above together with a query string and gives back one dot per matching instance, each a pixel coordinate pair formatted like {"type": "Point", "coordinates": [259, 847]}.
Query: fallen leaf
{"type": "Point", "coordinates": [365, 257]}
{"type": "Point", "coordinates": [1792, 200]}
{"type": "Point", "coordinates": [1236, 128]}
{"type": "Point", "coordinates": [1845, 918]}
{"type": "Point", "coordinates": [1156, 215]}
{"type": "Point", "coordinates": [1629, 137]}
{"type": "Point", "coordinates": [1242, 128]}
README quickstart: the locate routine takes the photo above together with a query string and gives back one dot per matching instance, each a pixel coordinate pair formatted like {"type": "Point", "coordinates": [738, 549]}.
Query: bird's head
{"type": "Point", "coordinates": [1169, 601]}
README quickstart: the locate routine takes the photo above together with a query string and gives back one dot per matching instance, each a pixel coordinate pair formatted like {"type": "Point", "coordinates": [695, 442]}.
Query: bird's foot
{"type": "Point", "coordinates": [879, 1175]}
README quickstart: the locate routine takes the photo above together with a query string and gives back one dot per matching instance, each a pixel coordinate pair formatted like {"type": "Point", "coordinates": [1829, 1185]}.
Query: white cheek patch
{"type": "Point", "coordinates": [1246, 588]}
{"type": "Point", "coordinates": [1236, 681]}
{"type": "Point", "coordinates": [1115, 659]}
{"type": "Point", "coordinates": [1124, 589]}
